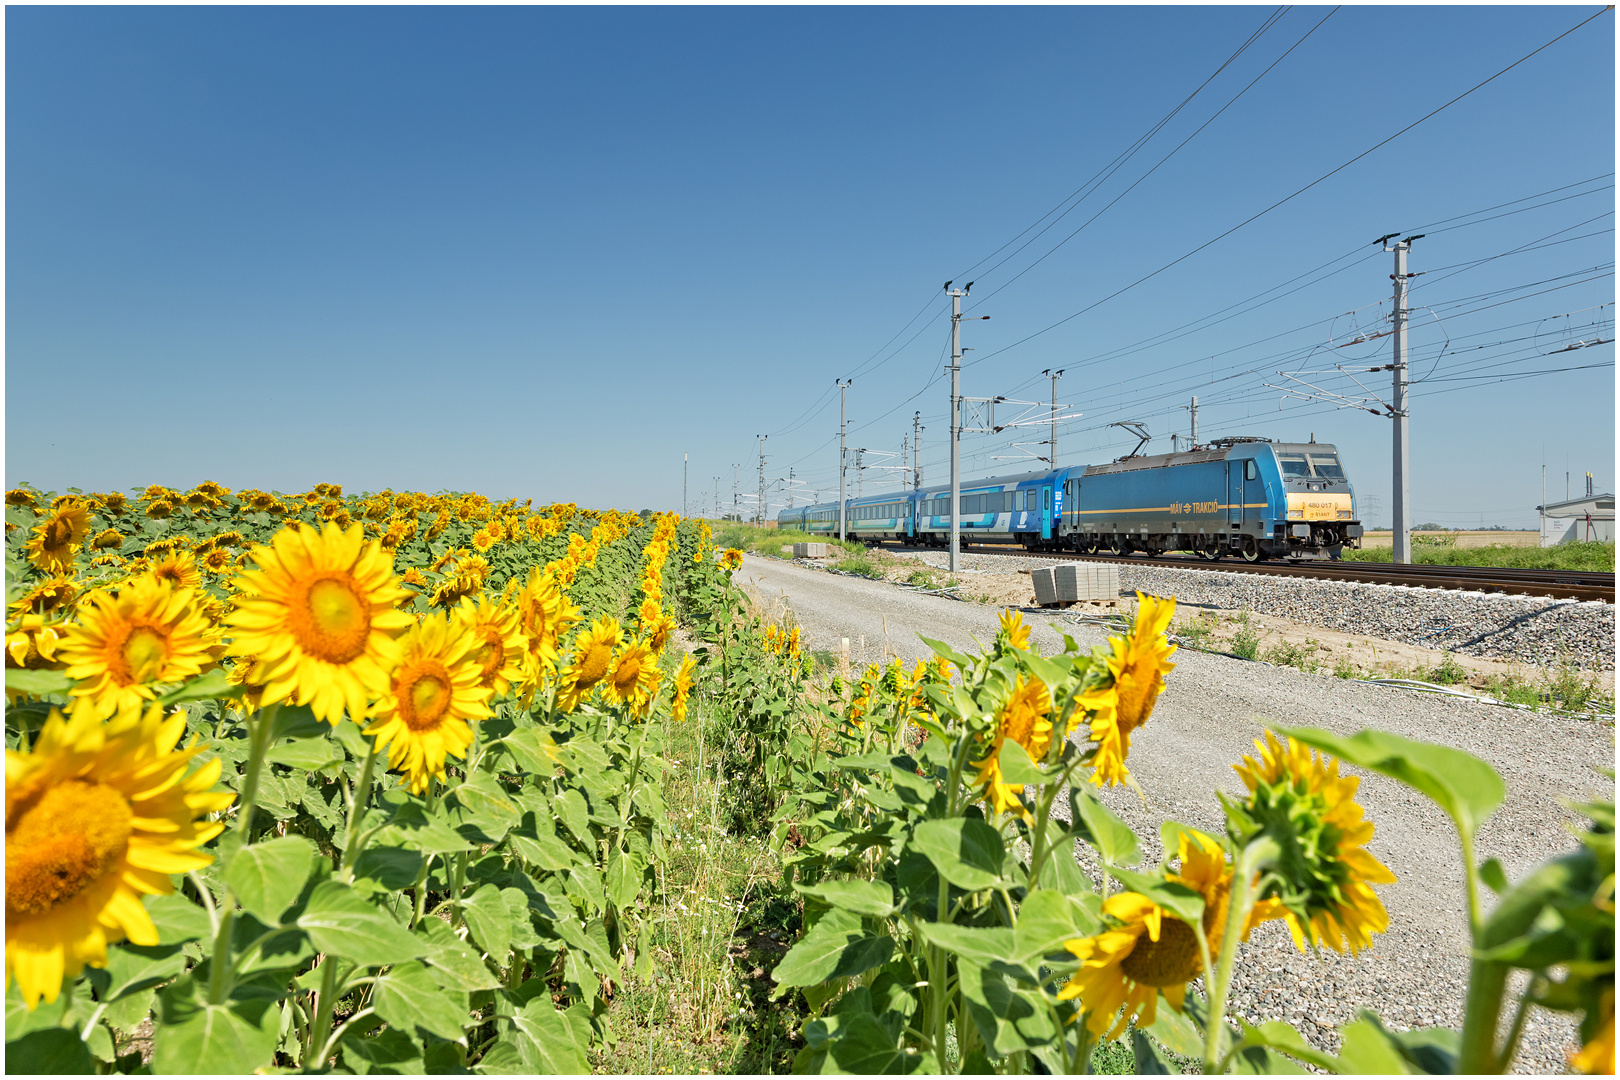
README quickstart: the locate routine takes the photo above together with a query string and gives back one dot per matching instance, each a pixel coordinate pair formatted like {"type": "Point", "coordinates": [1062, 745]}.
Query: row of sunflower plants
{"type": "Point", "coordinates": [316, 782]}
{"type": "Point", "coordinates": [950, 927]}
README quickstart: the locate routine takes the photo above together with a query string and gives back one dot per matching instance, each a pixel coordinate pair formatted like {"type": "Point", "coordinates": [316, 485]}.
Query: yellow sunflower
{"type": "Point", "coordinates": [482, 540]}
{"type": "Point", "coordinates": [1138, 665]}
{"type": "Point", "coordinates": [1147, 950]}
{"type": "Point", "coordinates": [20, 497]}
{"type": "Point", "coordinates": [593, 657]}
{"type": "Point", "coordinates": [683, 688]}
{"type": "Point", "coordinates": [431, 695]}
{"type": "Point", "coordinates": [1596, 1058]}
{"type": "Point", "coordinates": [107, 538]}
{"type": "Point", "coordinates": [634, 678]}
{"type": "Point", "coordinates": [731, 559]}
{"type": "Point", "coordinates": [1024, 720]}
{"type": "Point", "coordinates": [159, 508]}
{"type": "Point", "coordinates": [216, 561]}
{"type": "Point", "coordinates": [1301, 801]}
{"type": "Point", "coordinates": [1013, 625]}
{"type": "Point", "coordinates": [497, 642]}
{"type": "Point", "coordinates": [54, 595]}
{"type": "Point", "coordinates": [129, 640]}
{"type": "Point", "coordinates": [32, 643]}
{"type": "Point", "coordinates": [96, 815]}
{"type": "Point", "coordinates": [544, 616]}
{"type": "Point", "coordinates": [58, 537]}
{"type": "Point", "coordinates": [179, 569]}
{"type": "Point", "coordinates": [319, 614]}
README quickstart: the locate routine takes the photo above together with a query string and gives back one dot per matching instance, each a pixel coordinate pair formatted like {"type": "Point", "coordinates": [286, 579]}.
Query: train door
{"type": "Point", "coordinates": [1234, 495]}
{"type": "Point", "coordinates": [1047, 510]}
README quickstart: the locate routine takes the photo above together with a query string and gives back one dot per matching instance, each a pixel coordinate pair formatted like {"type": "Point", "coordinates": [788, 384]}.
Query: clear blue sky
{"type": "Point", "coordinates": [543, 252]}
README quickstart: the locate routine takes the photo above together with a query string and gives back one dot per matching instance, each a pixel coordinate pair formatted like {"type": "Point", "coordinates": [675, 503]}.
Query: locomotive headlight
{"type": "Point", "coordinates": [1296, 513]}
{"type": "Point", "coordinates": [1344, 515]}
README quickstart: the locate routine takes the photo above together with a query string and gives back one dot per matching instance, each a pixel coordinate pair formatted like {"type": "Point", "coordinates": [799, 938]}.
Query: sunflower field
{"type": "Point", "coordinates": [383, 783]}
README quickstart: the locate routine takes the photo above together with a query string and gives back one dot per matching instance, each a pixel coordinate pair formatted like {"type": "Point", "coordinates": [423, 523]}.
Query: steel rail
{"type": "Point", "coordinates": [1559, 584]}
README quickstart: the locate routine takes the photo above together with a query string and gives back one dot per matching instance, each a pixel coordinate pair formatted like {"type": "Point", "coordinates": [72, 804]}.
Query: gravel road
{"type": "Point", "coordinates": [1212, 710]}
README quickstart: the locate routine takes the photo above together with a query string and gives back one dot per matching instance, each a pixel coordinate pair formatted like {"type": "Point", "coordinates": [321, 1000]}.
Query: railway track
{"type": "Point", "coordinates": [1561, 584]}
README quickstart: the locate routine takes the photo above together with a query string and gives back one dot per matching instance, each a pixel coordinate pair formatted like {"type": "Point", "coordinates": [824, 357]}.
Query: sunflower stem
{"type": "Point", "coordinates": [357, 811]}
{"type": "Point", "coordinates": [221, 969]}
{"type": "Point", "coordinates": [1258, 855]}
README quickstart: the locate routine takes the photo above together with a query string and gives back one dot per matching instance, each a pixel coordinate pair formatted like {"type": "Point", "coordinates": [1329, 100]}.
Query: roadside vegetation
{"type": "Point", "coordinates": [1562, 686]}
{"type": "Point", "coordinates": [1587, 557]}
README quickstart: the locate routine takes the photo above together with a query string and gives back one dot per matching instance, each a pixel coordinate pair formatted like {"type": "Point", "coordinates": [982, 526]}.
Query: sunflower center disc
{"type": "Point", "coordinates": [63, 844]}
{"type": "Point", "coordinates": [1170, 961]}
{"type": "Point", "coordinates": [143, 653]}
{"type": "Point", "coordinates": [1136, 699]}
{"type": "Point", "coordinates": [594, 664]}
{"type": "Point", "coordinates": [427, 700]}
{"type": "Point", "coordinates": [337, 621]}
{"type": "Point", "coordinates": [58, 533]}
{"type": "Point", "coordinates": [489, 657]}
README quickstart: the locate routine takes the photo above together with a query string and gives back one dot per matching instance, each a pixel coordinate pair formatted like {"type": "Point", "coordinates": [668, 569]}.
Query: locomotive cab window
{"type": "Point", "coordinates": [1250, 472]}
{"type": "Point", "coordinates": [1327, 466]}
{"type": "Point", "coordinates": [1294, 466]}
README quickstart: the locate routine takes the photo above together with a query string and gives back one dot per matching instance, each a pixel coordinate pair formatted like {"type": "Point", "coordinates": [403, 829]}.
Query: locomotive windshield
{"type": "Point", "coordinates": [1327, 466]}
{"type": "Point", "coordinates": [1293, 466]}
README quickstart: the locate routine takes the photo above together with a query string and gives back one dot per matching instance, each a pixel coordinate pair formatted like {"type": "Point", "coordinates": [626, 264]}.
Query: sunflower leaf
{"type": "Point", "coordinates": [268, 876]}
{"type": "Point", "coordinates": [52, 1050]}
{"type": "Point", "coordinates": [838, 946]}
{"type": "Point", "coordinates": [1184, 903]}
{"type": "Point", "coordinates": [205, 687]}
{"type": "Point", "coordinates": [1465, 787]}
{"type": "Point", "coordinates": [967, 852]}
{"type": "Point", "coordinates": [1016, 765]}
{"type": "Point", "coordinates": [874, 898]}
{"type": "Point", "coordinates": [339, 920]}
{"type": "Point", "coordinates": [1114, 840]}
{"type": "Point", "coordinates": [409, 999]}
{"type": "Point", "coordinates": [37, 683]}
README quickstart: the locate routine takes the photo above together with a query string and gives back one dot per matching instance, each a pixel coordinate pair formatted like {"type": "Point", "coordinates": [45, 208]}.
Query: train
{"type": "Point", "coordinates": [1245, 497]}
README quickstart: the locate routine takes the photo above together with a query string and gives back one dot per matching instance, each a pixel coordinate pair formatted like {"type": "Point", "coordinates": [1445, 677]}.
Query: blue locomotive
{"type": "Point", "coordinates": [1247, 497]}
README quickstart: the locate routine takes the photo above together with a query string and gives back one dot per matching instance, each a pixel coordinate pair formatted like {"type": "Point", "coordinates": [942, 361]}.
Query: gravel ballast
{"type": "Point", "coordinates": [1533, 629]}
{"type": "Point", "coordinates": [1415, 975]}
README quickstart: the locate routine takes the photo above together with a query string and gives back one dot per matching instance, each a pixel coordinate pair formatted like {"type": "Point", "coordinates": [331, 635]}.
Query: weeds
{"type": "Point", "coordinates": [1302, 657]}
{"type": "Point", "coordinates": [1449, 672]}
{"type": "Point", "coordinates": [1246, 641]}
{"type": "Point", "coordinates": [1593, 556]}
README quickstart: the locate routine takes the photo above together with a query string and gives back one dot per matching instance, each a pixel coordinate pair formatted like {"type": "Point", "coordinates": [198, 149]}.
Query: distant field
{"type": "Point", "coordinates": [1524, 557]}
{"type": "Point", "coordinates": [1477, 539]}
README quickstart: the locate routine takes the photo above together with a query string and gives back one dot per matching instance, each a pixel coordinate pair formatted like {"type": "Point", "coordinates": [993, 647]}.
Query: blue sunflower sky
{"type": "Point", "coordinates": [546, 251]}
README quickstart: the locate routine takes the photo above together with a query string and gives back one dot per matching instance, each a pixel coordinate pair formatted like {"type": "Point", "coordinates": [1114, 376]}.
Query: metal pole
{"type": "Point", "coordinates": [735, 514]}
{"type": "Point", "coordinates": [843, 423]}
{"type": "Point", "coordinates": [684, 469]}
{"type": "Point", "coordinates": [916, 449]}
{"type": "Point", "coordinates": [790, 487]}
{"type": "Point", "coordinates": [956, 423]}
{"type": "Point", "coordinates": [1402, 525]}
{"type": "Point", "coordinates": [762, 439]}
{"type": "Point", "coordinates": [1192, 440]}
{"type": "Point", "coordinates": [1541, 532]}
{"type": "Point", "coordinates": [1054, 376]}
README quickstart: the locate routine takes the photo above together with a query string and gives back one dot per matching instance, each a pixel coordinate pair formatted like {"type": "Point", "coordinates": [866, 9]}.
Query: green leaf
{"type": "Point", "coordinates": [37, 683]}
{"type": "Point", "coordinates": [543, 850]}
{"type": "Point", "coordinates": [1281, 1036]}
{"type": "Point", "coordinates": [1494, 877]}
{"type": "Point", "coordinates": [1184, 903]}
{"type": "Point", "coordinates": [539, 1039]}
{"type": "Point", "coordinates": [306, 754]}
{"type": "Point", "coordinates": [205, 687]}
{"type": "Point", "coordinates": [967, 852]}
{"type": "Point", "coordinates": [862, 897]}
{"type": "Point", "coordinates": [1465, 787]}
{"type": "Point", "coordinates": [455, 963]}
{"type": "Point", "coordinates": [339, 920]}
{"type": "Point", "coordinates": [409, 999]}
{"type": "Point", "coordinates": [624, 879]}
{"type": "Point", "coordinates": [411, 826]}
{"type": "Point", "coordinates": [177, 919]}
{"type": "Point", "coordinates": [1175, 1031]}
{"type": "Point", "coordinates": [197, 1037]}
{"type": "Point", "coordinates": [387, 1051]}
{"type": "Point", "coordinates": [1046, 920]}
{"type": "Point", "coordinates": [865, 1047]}
{"type": "Point", "coordinates": [573, 812]}
{"type": "Point", "coordinates": [19, 1021]}
{"type": "Point", "coordinates": [393, 868]}
{"type": "Point", "coordinates": [836, 947]}
{"type": "Point", "coordinates": [1114, 840]}
{"type": "Point", "coordinates": [299, 722]}
{"type": "Point", "coordinates": [1016, 765]}
{"type": "Point", "coordinates": [268, 876]}
{"type": "Point", "coordinates": [1367, 1048]}
{"type": "Point", "coordinates": [489, 920]}
{"type": "Point", "coordinates": [1170, 833]}
{"type": "Point", "coordinates": [526, 747]}
{"type": "Point", "coordinates": [483, 795]}
{"type": "Point", "coordinates": [983, 945]}
{"type": "Point", "coordinates": [53, 1050]}
{"type": "Point", "coordinates": [1149, 1062]}
{"type": "Point", "coordinates": [133, 968]}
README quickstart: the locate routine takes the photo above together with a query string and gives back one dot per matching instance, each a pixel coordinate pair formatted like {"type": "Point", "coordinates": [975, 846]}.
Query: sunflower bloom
{"type": "Point", "coordinates": [97, 815]}
{"type": "Point", "coordinates": [497, 642]}
{"type": "Point", "coordinates": [634, 678]}
{"type": "Point", "coordinates": [544, 616]}
{"type": "Point", "coordinates": [434, 691]}
{"type": "Point", "coordinates": [107, 538]}
{"type": "Point", "coordinates": [731, 559]}
{"type": "Point", "coordinates": [683, 688]}
{"type": "Point", "coordinates": [179, 569]}
{"type": "Point", "coordinates": [1138, 665]}
{"type": "Point", "coordinates": [32, 643]}
{"type": "Point", "coordinates": [1596, 1058]}
{"type": "Point", "coordinates": [1300, 800]}
{"type": "Point", "coordinates": [48, 596]}
{"type": "Point", "coordinates": [1149, 951]}
{"type": "Point", "coordinates": [1024, 720]}
{"type": "Point", "coordinates": [1013, 625]}
{"type": "Point", "coordinates": [58, 537]}
{"type": "Point", "coordinates": [318, 613]}
{"type": "Point", "coordinates": [125, 643]}
{"type": "Point", "coordinates": [593, 657]}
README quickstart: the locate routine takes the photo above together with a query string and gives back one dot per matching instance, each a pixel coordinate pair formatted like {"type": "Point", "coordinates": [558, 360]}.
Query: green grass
{"type": "Point", "coordinates": [1595, 557]}
{"type": "Point", "coordinates": [770, 542]}
{"type": "Point", "coordinates": [1246, 642]}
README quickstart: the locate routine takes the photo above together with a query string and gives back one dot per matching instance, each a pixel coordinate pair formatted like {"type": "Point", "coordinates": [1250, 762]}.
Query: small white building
{"type": "Point", "coordinates": [1590, 517]}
